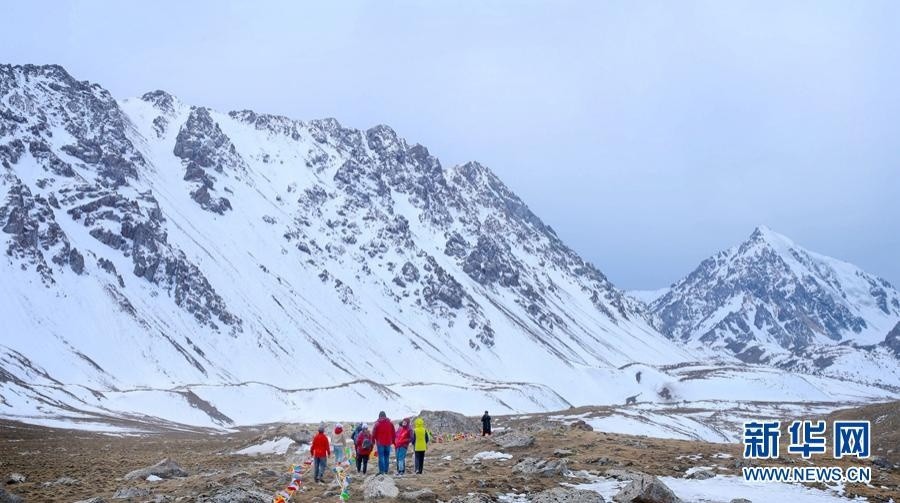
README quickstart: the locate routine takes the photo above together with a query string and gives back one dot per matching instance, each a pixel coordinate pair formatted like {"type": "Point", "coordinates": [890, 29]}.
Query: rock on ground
{"type": "Point", "coordinates": [420, 495]}
{"type": "Point", "coordinates": [235, 495]}
{"type": "Point", "coordinates": [131, 492]}
{"type": "Point", "coordinates": [379, 486]}
{"type": "Point", "coordinates": [740, 500]}
{"type": "Point", "coordinates": [297, 433]}
{"type": "Point", "coordinates": [6, 497]}
{"type": "Point", "coordinates": [473, 498]}
{"type": "Point", "coordinates": [443, 421]}
{"type": "Point", "coordinates": [646, 489]}
{"type": "Point", "coordinates": [581, 425]}
{"type": "Point", "coordinates": [513, 439]}
{"type": "Point", "coordinates": [165, 469]}
{"type": "Point", "coordinates": [701, 475]}
{"type": "Point", "coordinates": [541, 467]}
{"type": "Point", "coordinates": [564, 495]}
{"type": "Point", "coordinates": [15, 478]}
{"type": "Point", "coordinates": [95, 499]}
{"type": "Point", "coordinates": [62, 481]}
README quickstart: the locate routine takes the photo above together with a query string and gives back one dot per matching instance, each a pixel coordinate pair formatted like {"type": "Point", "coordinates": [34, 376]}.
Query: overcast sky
{"type": "Point", "coordinates": [648, 134]}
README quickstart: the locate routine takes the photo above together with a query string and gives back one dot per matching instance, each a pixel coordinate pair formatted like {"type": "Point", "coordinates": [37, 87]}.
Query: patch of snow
{"type": "Point", "coordinates": [481, 456]}
{"type": "Point", "coordinates": [274, 446]}
{"type": "Point", "coordinates": [726, 487]}
{"type": "Point", "coordinates": [648, 296]}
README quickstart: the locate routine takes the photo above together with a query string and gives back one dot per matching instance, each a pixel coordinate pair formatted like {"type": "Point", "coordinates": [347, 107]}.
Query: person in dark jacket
{"type": "Point", "coordinates": [364, 445]}
{"type": "Point", "coordinates": [320, 450]}
{"type": "Point", "coordinates": [486, 424]}
{"type": "Point", "coordinates": [384, 433]}
{"type": "Point", "coordinates": [359, 428]}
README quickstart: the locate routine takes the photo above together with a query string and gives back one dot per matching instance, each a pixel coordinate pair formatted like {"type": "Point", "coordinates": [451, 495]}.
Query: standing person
{"type": "Point", "coordinates": [337, 443]}
{"type": "Point", "coordinates": [320, 451]}
{"type": "Point", "coordinates": [486, 424]}
{"type": "Point", "coordinates": [420, 439]}
{"type": "Point", "coordinates": [364, 445]}
{"type": "Point", "coordinates": [401, 443]}
{"type": "Point", "coordinates": [384, 433]}
{"type": "Point", "coordinates": [359, 428]}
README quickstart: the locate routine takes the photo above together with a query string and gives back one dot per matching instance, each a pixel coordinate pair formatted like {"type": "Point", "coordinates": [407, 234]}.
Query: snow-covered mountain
{"type": "Point", "coordinates": [150, 245]}
{"type": "Point", "coordinates": [171, 261]}
{"type": "Point", "coordinates": [771, 301]}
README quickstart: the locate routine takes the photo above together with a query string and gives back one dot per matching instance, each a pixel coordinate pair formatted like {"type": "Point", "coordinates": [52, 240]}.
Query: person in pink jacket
{"type": "Point", "coordinates": [401, 443]}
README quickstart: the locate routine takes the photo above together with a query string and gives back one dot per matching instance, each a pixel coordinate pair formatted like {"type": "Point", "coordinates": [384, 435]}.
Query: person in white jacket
{"type": "Point", "coordinates": [338, 442]}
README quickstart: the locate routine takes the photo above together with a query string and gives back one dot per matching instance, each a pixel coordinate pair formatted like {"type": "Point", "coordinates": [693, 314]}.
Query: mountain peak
{"type": "Point", "coordinates": [763, 238]}
{"type": "Point", "coordinates": [161, 100]}
{"type": "Point", "coordinates": [764, 233]}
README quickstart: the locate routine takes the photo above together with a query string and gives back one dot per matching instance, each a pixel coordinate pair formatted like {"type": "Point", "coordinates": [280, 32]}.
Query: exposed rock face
{"type": "Point", "coordinates": [892, 341]}
{"type": "Point", "coordinates": [203, 147]}
{"type": "Point", "coordinates": [89, 181]}
{"type": "Point", "coordinates": [165, 469]}
{"type": "Point", "coordinates": [447, 422]}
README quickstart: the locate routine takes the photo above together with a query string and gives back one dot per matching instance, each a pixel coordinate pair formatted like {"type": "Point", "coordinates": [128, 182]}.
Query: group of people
{"type": "Point", "coordinates": [380, 438]}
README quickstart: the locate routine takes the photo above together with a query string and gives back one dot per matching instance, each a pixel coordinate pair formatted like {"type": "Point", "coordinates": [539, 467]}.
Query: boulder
{"type": "Point", "coordinates": [646, 489]}
{"type": "Point", "coordinates": [561, 453]}
{"type": "Point", "coordinates": [566, 495]}
{"type": "Point", "coordinates": [130, 492]}
{"type": "Point", "coordinates": [6, 497]}
{"type": "Point", "coordinates": [235, 494]}
{"type": "Point", "coordinates": [379, 486]}
{"type": "Point", "coordinates": [701, 475]}
{"type": "Point", "coordinates": [165, 469]}
{"type": "Point", "coordinates": [512, 440]}
{"type": "Point", "coordinates": [443, 421]}
{"type": "Point", "coordinates": [95, 499]}
{"type": "Point", "coordinates": [581, 425]}
{"type": "Point", "coordinates": [15, 478]}
{"type": "Point", "coordinates": [881, 462]}
{"type": "Point", "coordinates": [420, 495]}
{"type": "Point", "coordinates": [540, 467]}
{"type": "Point", "coordinates": [740, 500]}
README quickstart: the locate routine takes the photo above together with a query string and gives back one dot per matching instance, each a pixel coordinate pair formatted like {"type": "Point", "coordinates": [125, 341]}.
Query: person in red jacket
{"type": "Point", "coordinates": [384, 433]}
{"type": "Point", "coordinates": [320, 450]}
{"type": "Point", "coordinates": [401, 443]}
{"type": "Point", "coordinates": [364, 445]}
